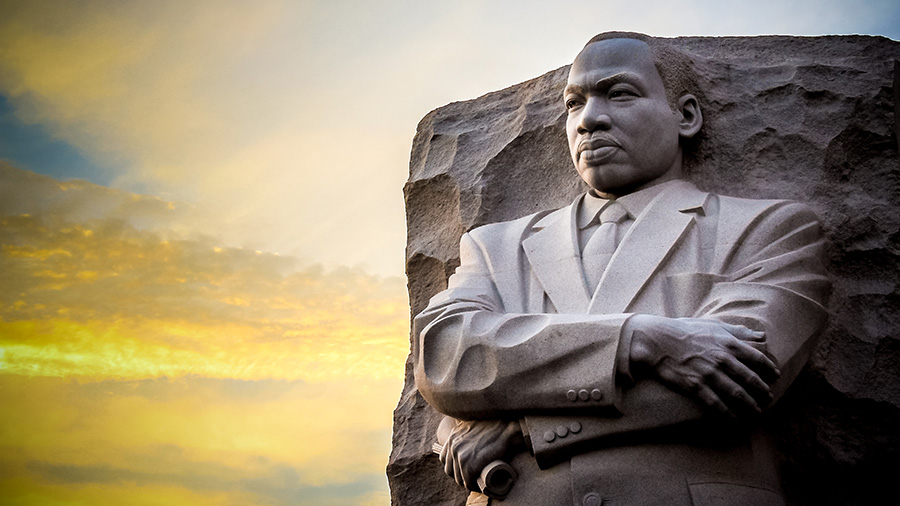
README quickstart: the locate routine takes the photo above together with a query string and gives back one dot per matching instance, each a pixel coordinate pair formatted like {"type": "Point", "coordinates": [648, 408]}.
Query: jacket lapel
{"type": "Point", "coordinates": [647, 245]}
{"type": "Point", "coordinates": [553, 254]}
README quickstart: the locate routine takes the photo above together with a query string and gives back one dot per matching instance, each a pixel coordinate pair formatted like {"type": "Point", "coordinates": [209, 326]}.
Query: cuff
{"type": "Point", "coordinates": [623, 353]}
{"type": "Point", "coordinates": [526, 435]}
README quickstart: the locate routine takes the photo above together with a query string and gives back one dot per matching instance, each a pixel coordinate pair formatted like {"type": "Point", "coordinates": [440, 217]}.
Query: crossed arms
{"type": "Point", "coordinates": [743, 344]}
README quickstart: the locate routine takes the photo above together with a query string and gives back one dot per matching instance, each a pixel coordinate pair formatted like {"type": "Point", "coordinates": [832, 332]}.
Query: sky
{"type": "Point", "coordinates": [202, 294]}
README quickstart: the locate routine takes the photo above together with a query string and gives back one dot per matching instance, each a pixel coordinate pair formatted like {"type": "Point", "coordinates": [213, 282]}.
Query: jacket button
{"type": "Point", "coordinates": [596, 394]}
{"type": "Point", "coordinates": [583, 395]}
{"type": "Point", "coordinates": [549, 436]}
{"type": "Point", "coordinates": [591, 499]}
{"type": "Point", "coordinates": [572, 395]}
{"type": "Point", "coordinates": [575, 427]}
{"type": "Point", "coordinates": [562, 431]}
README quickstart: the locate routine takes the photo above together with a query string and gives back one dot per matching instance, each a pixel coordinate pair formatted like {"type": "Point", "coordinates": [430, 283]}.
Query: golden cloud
{"type": "Point", "coordinates": [105, 299]}
{"type": "Point", "coordinates": [246, 108]}
{"type": "Point", "coordinates": [192, 441]}
{"type": "Point", "coordinates": [143, 363]}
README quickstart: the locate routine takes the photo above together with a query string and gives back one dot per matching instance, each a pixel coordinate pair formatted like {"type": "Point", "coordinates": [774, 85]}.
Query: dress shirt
{"type": "Point", "coordinates": [588, 221]}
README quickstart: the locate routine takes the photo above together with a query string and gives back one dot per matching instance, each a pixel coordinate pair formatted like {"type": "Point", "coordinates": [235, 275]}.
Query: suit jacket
{"type": "Point", "coordinates": [517, 335]}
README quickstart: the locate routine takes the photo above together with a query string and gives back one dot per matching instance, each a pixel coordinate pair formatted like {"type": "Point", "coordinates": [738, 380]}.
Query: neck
{"type": "Point", "coordinates": [613, 193]}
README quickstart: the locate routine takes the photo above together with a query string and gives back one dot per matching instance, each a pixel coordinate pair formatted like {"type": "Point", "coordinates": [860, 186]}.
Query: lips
{"type": "Point", "coordinates": [597, 149]}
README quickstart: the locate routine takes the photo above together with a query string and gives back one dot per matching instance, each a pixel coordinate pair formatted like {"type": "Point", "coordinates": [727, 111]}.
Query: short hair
{"type": "Point", "coordinates": [674, 66]}
{"type": "Point", "coordinates": [677, 72]}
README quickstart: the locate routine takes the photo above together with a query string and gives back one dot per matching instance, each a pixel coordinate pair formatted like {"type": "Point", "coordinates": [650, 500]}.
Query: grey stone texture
{"type": "Point", "coordinates": [812, 119]}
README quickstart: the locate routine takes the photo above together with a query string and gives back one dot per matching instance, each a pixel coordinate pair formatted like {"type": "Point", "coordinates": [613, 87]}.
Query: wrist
{"type": "Point", "coordinates": [644, 348]}
{"type": "Point", "coordinates": [516, 437]}
{"type": "Point", "coordinates": [639, 353]}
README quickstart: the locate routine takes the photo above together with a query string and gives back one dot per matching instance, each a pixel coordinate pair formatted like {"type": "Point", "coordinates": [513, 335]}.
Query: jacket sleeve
{"type": "Point", "coordinates": [771, 279]}
{"type": "Point", "coordinates": [473, 360]}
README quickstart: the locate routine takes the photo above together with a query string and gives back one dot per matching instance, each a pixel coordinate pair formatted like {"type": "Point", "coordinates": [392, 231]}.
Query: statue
{"type": "Point", "coordinates": [621, 350]}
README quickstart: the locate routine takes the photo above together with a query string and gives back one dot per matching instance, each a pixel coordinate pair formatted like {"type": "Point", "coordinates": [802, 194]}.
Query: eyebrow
{"type": "Point", "coordinates": [603, 83]}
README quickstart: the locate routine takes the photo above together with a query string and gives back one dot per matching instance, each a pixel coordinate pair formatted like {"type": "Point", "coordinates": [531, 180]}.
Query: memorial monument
{"type": "Point", "coordinates": [621, 349]}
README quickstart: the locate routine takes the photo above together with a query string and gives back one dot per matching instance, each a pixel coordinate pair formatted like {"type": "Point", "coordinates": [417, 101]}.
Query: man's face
{"type": "Point", "coordinates": [623, 135]}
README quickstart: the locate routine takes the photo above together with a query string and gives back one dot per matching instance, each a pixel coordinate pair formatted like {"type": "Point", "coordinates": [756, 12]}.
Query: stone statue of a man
{"type": "Point", "coordinates": [621, 350]}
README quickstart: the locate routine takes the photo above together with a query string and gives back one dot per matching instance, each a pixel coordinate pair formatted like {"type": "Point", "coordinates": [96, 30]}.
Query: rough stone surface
{"type": "Point", "coordinates": [809, 119]}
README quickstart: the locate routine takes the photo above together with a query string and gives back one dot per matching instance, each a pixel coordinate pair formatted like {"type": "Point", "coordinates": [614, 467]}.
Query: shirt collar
{"type": "Point", "coordinates": [634, 203]}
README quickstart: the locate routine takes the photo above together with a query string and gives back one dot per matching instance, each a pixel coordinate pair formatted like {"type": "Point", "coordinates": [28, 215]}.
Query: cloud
{"type": "Point", "coordinates": [94, 283]}
{"type": "Point", "coordinates": [131, 72]}
{"type": "Point", "coordinates": [230, 105]}
{"type": "Point", "coordinates": [143, 363]}
{"type": "Point", "coordinates": [260, 442]}
{"type": "Point", "coordinates": [278, 484]}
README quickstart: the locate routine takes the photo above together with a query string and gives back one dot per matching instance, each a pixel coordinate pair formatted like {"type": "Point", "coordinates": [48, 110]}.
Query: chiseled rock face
{"type": "Point", "coordinates": [811, 119]}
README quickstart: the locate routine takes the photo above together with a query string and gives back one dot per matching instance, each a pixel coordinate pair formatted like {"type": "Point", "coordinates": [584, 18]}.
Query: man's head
{"type": "Point", "coordinates": [675, 68]}
{"type": "Point", "coordinates": [625, 129]}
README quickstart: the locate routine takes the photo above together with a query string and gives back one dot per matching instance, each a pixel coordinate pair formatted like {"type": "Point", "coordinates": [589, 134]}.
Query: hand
{"type": "Point", "coordinates": [473, 445]}
{"type": "Point", "coordinates": [723, 366]}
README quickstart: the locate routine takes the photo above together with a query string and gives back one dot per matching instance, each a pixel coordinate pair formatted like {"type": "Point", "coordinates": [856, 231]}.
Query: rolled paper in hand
{"type": "Point", "coordinates": [496, 479]}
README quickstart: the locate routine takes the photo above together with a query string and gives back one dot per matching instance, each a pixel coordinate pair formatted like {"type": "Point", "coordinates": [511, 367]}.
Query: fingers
{"type": "Point", "coordinates": [755, 359]}
{"type": "Point", "coordinates": [750, 381]}
{"type": "Point", "coordinates": [458, 473]}
{"type": "Point", "coordinates": [743, 333]}
{"type": "Point", "coordinates": [739, 331]}
{"type": "Point", "coordinates": [759, 346]}
{"type": "Point", "coordinates": [736, 395]}
{"type": "Point", "coordinates": [470, 446]}
{"type": "Point", "coordinates": [734, 383]}
{"type": "Point", "coordinates": [467, 473]}
{"type": "Point", "coordinates": [453, 457]}
{"type": "Point", "coordinates": [712, 400]}
{"type": "Point", "coordinates": [449, 456]}
{"type": "Point", "coordinates": [729, 398]}
{"type": "Point", "coordinates": [447, 459]}
{"type": "Point", "coordinates": [720, 392]}
{"type": "Point", "coordinates": [748, 346]}
{"type": "Point", "coordinates": [721, 382]}
{"type": "Point", "coordinates": [454, 466]}
{"type": "Point", "coordinates": [722, 365]}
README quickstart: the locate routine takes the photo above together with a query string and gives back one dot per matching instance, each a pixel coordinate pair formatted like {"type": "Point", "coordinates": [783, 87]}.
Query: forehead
{"type": "Point", "coordinates": [613, 56]}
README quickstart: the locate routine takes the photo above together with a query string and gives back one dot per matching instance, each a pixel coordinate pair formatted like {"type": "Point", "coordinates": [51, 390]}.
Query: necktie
{"type": "Point", "coordinates": [601, 246]}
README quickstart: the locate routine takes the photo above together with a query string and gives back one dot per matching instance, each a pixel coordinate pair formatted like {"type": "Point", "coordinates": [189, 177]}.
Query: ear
{"type": "Point", "coordinates": [690, 119]}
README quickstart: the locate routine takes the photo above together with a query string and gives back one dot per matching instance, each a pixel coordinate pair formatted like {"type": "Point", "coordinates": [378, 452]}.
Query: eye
{"type": "Point", "coordinates": [622, 92]}
{"type": "Point", "coordinates": [572, 103]}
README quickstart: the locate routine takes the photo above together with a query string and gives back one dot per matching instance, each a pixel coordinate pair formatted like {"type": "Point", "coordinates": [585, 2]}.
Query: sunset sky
{"type": "Point", "coordinates": [202, 299]}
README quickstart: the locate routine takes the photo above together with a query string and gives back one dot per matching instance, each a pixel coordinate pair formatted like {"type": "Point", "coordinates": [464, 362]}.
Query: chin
{"type": "Point", "coordinates": [602, 185]}
{"type": "Point", "coordinates": [597, 179]}
{"type": "Point", "coordinates": [612, 189]}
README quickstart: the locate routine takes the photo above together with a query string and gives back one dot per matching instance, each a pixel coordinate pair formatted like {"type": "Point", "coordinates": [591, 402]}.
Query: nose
{"type": "Point", "coordinates": [594, 117]}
